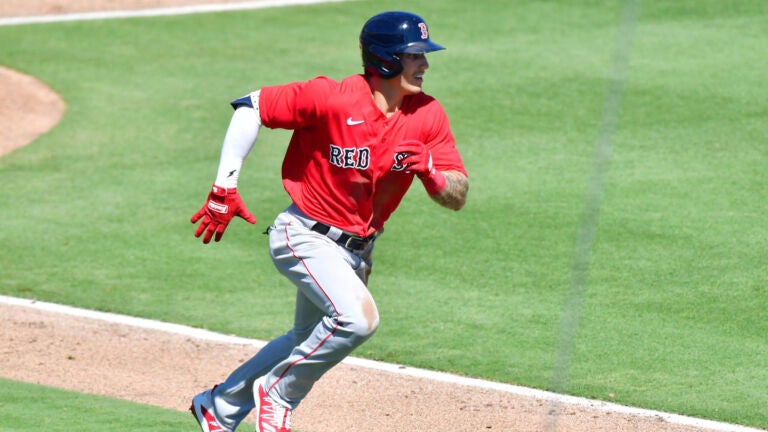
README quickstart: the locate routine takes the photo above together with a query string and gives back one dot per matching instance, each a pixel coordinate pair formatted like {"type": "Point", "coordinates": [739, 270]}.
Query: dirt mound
{"type": "Point", "coordinates": [28, 109]}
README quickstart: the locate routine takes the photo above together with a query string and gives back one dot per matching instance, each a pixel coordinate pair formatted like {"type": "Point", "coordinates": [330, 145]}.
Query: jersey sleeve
{"type": "Point", "coordinates": [440, 140]}
{"type": "Point", "coordinates": [295, 105]}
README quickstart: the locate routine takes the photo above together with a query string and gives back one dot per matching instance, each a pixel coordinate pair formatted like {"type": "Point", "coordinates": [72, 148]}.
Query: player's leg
{"type": "Point", "coordinates": [233, 399]}
{"type": "Point", "coordinates": [333, 280]}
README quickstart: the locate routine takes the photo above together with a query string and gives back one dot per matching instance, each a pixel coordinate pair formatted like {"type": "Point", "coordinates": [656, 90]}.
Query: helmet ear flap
{"type": "Point", "coordinates": [386, 64]}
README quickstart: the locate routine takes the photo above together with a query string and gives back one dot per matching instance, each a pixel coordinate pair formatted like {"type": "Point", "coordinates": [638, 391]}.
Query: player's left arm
{"type": "Point", "coordinates": [436, 160]}
{"type": "Point", "coordinates": [454, 195]}
{"type": "Point", "coordinates": [446, 186]}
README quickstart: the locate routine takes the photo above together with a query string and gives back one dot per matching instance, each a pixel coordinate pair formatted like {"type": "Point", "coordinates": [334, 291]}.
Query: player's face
{"type": "Point", "coordinates": [414, 66]}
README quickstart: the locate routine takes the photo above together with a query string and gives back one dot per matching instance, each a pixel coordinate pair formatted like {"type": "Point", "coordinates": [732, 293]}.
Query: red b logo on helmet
{"type": "Point", "coordinates": [424, 32]}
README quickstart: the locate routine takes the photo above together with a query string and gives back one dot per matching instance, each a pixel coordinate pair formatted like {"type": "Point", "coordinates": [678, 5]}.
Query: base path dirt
{"type": "Point", "coordinates": [164, 369]}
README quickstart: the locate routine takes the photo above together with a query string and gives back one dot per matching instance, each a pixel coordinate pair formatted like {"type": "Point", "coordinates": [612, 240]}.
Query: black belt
{"type": "Point", "coordinates": [349, 241]}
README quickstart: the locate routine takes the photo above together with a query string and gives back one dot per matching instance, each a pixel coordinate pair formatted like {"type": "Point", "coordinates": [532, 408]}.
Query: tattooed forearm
{"type": "Point", "coordinates": [455, 193]}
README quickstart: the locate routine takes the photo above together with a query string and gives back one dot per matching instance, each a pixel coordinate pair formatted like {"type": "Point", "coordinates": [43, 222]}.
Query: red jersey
{"type": "Point", "coordinates": [338, 168]}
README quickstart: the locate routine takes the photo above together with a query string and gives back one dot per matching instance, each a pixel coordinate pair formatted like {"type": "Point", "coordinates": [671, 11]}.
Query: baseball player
{"type": "Point", "coordinates": [356, 147]}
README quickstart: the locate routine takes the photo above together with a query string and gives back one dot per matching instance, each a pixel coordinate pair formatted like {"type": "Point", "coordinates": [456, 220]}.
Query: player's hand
{"type": "Point", "coordinates": [220, 207]}
{"type": "Point", "coordinates": [416, 158]}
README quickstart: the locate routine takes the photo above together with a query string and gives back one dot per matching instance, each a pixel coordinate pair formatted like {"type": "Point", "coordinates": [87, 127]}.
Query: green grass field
{"type": "Point", "coordinates": [96, 212]}
{"type": "Point", "coordinates": [21, 405]}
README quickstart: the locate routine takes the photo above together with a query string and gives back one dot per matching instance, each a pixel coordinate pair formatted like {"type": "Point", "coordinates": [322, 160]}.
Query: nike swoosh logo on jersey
{"type": "Point", "coordinates": [351, 122]}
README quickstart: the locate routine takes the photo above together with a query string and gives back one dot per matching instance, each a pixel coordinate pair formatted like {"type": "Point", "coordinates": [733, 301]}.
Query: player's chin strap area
{"type": "Point", "coordinates": [349, 241]}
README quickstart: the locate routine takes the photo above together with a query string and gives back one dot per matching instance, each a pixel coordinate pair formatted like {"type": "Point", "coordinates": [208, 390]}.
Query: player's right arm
{"type": "Point", "coordinates": [224, 202]}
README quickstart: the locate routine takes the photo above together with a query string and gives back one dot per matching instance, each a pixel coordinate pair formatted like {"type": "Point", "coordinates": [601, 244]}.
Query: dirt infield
{"type": "Point", "coordinates": [166, 370]}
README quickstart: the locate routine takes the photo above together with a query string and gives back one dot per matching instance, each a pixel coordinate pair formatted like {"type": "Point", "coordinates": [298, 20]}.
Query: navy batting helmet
{"type": "Point", "coordinates": [389, 34]}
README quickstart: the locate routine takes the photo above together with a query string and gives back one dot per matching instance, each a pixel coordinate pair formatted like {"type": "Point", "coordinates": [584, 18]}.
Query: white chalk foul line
{"type": "Point", "coordinates": [179, 10]}
{"type": "Point", "coordinates": [207, 335]}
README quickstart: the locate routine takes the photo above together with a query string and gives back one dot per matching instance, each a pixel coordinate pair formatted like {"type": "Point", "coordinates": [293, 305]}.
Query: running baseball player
{"type": "Point", "coordinates": [356, 147]}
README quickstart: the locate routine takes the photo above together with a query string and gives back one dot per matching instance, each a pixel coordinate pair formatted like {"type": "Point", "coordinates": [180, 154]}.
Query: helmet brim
{"type": "Point", "coordinates": [421, 47]}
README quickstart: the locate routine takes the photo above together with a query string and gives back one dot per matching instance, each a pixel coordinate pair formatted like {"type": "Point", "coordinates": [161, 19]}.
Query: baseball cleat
{"type": "Point", "coordinates": [202, 409]}
{"type": "Point", "coordinates": [271, 416]}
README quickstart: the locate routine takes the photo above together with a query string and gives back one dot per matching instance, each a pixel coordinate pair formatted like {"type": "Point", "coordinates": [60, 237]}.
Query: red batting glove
{"type": "Point", "coordinates": [222, 205]}
{"type": "Point", "coordinates": [418, 160]}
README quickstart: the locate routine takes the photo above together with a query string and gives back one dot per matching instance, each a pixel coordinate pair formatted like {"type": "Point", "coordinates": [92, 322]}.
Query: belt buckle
{"type": "Point", "coordinates": [351, 239]}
